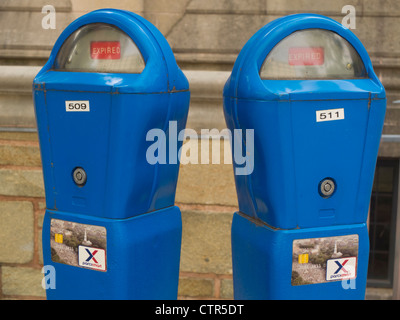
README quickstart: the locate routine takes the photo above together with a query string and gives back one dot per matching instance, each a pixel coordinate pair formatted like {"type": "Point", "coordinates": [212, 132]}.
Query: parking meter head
{"type": "Point", "coordinates": [306, 86]}
{"type": "Point", "coordinates": [110, 79]}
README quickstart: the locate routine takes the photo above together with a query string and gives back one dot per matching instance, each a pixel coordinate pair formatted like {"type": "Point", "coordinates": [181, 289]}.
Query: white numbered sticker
{"type": "Point", "coordinates": [330, 115]}
{"type": "Point", "coordinates": [77, 106]}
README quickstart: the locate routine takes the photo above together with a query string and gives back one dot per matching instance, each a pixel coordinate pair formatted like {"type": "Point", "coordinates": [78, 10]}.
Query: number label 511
{"type": "Point", "coordinates": [71, 106]}
{"type": "Point", "coordinates": [329, 115]}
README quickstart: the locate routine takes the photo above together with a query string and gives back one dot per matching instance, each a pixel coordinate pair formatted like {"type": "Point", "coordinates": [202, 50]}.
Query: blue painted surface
{"type": "Point", "coordinates": [123, 192]}
{"type": "Point", "coordinates": [143, 254]}
{"type": "Point", "coordinates": [293, 153]}
{"type": "Point", "coordinates": [262, 260]}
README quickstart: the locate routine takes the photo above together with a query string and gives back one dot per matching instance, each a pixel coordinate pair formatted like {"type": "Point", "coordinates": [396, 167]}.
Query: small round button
{"type": "Point", "coordinates": [326, 187]}
{"type": "Point", "coordinates": [79, 176]}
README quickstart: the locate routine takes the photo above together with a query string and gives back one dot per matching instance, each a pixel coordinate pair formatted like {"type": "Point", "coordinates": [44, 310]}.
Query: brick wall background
{"type": "Point", "coordinates": [21, 214]}
{"type": "Point", "coordinates": [206, 36]}
{"type": "Point", "coordinates": [205, 194]}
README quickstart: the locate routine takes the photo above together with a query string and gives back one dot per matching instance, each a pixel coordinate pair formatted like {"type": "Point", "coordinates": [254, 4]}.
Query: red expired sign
{"type": "Point", "coordinates": [105, 50]}
{"type": "Point", "coordinates": [300, 56]}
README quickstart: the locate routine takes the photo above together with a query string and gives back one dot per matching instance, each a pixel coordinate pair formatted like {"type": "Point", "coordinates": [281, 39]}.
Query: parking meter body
{"type": "Point", "coordinates": [306, 86]}
{"type": "Point", "coordinates": [111, 229]}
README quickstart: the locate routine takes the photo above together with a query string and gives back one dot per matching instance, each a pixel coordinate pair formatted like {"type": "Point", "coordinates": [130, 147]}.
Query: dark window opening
{"type": "Point", "coordinates": [382, 222]}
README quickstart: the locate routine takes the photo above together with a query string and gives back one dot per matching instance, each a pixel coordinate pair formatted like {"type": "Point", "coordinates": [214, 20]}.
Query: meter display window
{"type": "Point", "coordinates": [99, 48]}
{"type": "Point", "coordinates": [313, 54]}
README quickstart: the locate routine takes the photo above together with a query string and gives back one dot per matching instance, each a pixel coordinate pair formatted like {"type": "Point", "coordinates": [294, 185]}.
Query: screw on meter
{"type": "Point", "coordinates": [79, 176]}
{"type": "Point", "coordinates": [327, 187]}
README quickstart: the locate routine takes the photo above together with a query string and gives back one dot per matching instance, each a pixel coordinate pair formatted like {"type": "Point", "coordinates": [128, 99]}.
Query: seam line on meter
{"type": "Point", "coordinates": [117, 92]}
{"type": "Point", "coordinates": [259, 222]}
{"type": "Point", "coordinates": [287, 99]}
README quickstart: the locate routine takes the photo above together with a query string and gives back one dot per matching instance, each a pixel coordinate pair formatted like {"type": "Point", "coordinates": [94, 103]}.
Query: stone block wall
{"type": "Point", "coordinates": [21, 214]}
{"type": "Point", "coordinates": [205, 194]}
{"type": "Point", "coordinates": [206, 37]}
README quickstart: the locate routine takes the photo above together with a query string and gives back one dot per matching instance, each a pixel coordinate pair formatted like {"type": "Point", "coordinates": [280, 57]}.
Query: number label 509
{"type": "Point", "coordinates": [329, 115]}
{"type": "Point", "coordinates": [74, 106]}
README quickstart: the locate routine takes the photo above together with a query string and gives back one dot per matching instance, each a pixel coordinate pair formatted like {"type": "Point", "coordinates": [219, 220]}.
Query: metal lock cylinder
{"type": "Point", "coordinates": [327, 187]}
{"type": "Point", "coordinates": [79, 176]}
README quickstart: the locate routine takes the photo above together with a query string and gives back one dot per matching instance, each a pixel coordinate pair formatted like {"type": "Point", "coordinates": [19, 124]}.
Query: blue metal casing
{"type": "Point", "coordinates": [279, 201]}
{"type": "Point", "coordinates": [262, 262]}
{"type": "Point", "coordinates": [143, 254]}
{"type": "Point", "coordinates": [110, 141]}
{"type": "Point", "coordinates": [292, 152]}
{"type": "Point", "coordinates": [124, 193]}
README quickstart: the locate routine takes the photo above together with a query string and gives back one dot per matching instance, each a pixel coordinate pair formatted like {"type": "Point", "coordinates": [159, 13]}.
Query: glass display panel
{"type": "Point", "coordinates": [313, 54]}
{"type": "Point", "coordinates": [99, 48]}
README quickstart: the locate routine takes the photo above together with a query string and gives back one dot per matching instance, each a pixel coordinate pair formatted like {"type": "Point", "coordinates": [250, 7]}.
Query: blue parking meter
{"type": "Point", "coordinates": [306, 86]}
{"type": "Point", "coordinates": [111, 230]}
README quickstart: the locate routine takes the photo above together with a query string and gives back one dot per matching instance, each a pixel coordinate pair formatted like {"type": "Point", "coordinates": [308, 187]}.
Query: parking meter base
{"type": "Point", "coordinates": [324, 263]}
{"type": "Point", "coordinates": [125, 259]}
